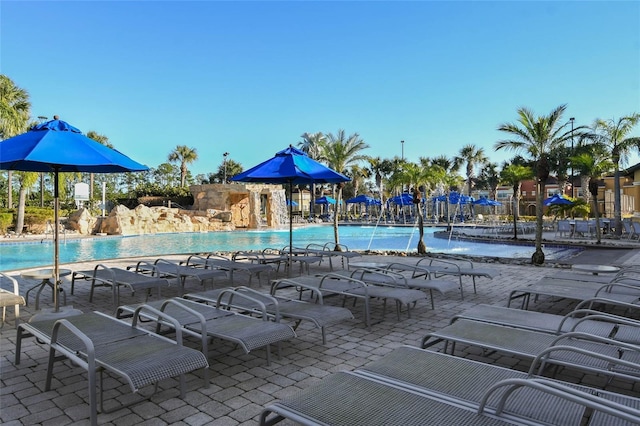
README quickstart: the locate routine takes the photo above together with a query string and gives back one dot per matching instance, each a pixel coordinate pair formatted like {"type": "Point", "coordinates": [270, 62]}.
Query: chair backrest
{"type": "Point", "coordinates": [564, 226]}
{"type": "Point", "coordinates": [582, 226]}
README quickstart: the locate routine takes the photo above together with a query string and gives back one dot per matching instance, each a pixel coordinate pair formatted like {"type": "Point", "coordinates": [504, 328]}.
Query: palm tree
{"type": "Point", "coordinates": [514, 174]}
{"type": "Point", "coordinates": [15, 108]}
{"type": "Point", "coordinates": [101, 139]}
{"type": "Point", "coordinates": [340, 152]}
{"type": "Point", "coordinates": [380, 169]}
{"type": "Point", "coordinates": [613, 135]}
{"type": "Point", "coordinates": [311, 144]}
{"type": "Point", "coordinates": [183, 155]}
{"type": "Point", "coordinates": [471, 156]}
{"type": "Point", "coordinates": [537, 137]}
{"type": "Point", "coordinates": [593, 165]}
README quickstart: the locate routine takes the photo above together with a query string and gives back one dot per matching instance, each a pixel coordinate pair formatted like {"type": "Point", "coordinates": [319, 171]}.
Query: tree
{"type": "Point", "coordinates": [489, 179]}
{"type": "Point", "coordinates": [232, 168]}
{"type": "Point", "coordinates": [471, 156]}
{"type": "Point", "coordinates": [537, 137]}
{"type": "Point", "coordinates": [15, 109]}
{"type": "Point", "coordinates": [613, 134]}
{"type": "Point", "coordinates": [311, 145]}
{"type": "Point", "coordinates": [514, 174]}
{"type": "Point", "coordinates": [103, 140]}
{"type": "Point", "coordinates": [380, 169]}
{"type": "Point", "coordinates": [183, 155]}
{"type": "Point", "coordinates": [340, 152]}
{"type": "Point", "coordinates": [593, 165]}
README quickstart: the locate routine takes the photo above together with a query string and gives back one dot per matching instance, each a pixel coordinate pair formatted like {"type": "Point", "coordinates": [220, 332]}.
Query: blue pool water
{"type": "Point", "coordinates": [33, 254]}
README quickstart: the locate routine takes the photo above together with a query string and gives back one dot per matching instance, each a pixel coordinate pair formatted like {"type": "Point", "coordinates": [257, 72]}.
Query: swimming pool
{"type": "Point", "coordinates": [32, 254]}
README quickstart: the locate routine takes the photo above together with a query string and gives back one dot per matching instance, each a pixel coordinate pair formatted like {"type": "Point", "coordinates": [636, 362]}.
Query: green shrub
{"type": "Point", "coordinates": [6, 220]}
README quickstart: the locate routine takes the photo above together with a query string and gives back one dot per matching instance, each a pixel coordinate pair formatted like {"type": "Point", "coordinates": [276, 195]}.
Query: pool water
{"type": "Point", "coordinates": [38, 253]}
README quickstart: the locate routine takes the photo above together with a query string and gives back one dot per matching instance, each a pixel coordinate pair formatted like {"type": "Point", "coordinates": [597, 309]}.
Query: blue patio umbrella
{"type": "Point", "coordinates": [290, 167]}
{"type": "Point", "coordinates": [402, 200]}
{"type": "Point", "coordinates": [556, 200]}
{"type": "Point", "coordinates": [56, 146]}
{"type": "Point", "coordinates": [325, 200]}
{"type": "Point", "coordinates": [368, 201]}
{"type": "Point", "coordinates": [292, 203]}
{"type": "Point", "coordinates": [484, 201]}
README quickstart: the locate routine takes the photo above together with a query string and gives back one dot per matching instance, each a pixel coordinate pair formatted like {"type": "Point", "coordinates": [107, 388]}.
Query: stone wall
{"type": "Point", "coordinates": [217, 207]}
{"type": "Point", "coordinates": [244, 201]}
{"type": "Point", "coordinates": [150, 220]}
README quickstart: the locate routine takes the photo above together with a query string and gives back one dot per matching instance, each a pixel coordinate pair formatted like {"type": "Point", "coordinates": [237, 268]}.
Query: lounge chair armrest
{"type": "Point", "coordinates": [606, 317]}
{"type": "Point", "coordinates": [593, 338]}
{"type": "Point", "coordinates": [600, 299]}
{"type": "Point", "coordinates": [195, 260]}
{"type": "Point", "coordinates": [385, 277]}
{"type": "Point", "coordinates": [546, 356]}
{"type": "Point", "coordinates": [435, 262]}
{"type": "Point", "coordinates": [288, 283]}
{"type": "Point", "coordinates": [14, 283]}
{"type": "Point", "coordinates": [560, 391]}
{"type": "Point", "coordinates": [161, 315]}
{"type": "Point", "coordinates": [331, 275]}
{"type": "Point", "coordinates": [231, 292]}
{"type": "Point", "coordinates": [606, 288]}
{"type": "Point", "coordinates": [417, 271]}
{"type": "Point", "coordinates": [143, 267]}
{"type": "Point", "coordinates": [90, 362]}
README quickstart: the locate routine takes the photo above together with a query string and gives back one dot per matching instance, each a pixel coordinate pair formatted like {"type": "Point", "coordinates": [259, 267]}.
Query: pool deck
{"type": "Point", "coordinates": [242, 384]}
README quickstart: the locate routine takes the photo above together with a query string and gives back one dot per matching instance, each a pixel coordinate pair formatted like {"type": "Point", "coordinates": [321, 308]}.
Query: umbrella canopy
{"type": "Point", "coordinates": [557, 200]}
{"type": "Point", "coordinates": [363, 199]}
{"type": "Point", "coordinates": [325, 200]}
{"type": "Point", "coordinates": [291, 167]}
{"type": "Point", "coordinates": [455, 198]}
{"type": "Point", "coordinates": [292, 203]}
{"type": "Point", "coordinates": [403, 199]}
{"type": "Point", "coordinates": [56, 146]}
{"type": "Point", "coordinates": [484, 201]}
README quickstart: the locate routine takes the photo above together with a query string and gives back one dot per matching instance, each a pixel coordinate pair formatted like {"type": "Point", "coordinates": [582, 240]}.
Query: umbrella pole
{"type": "Point", "coordinates": [56, 236]}
{"type": "Point", "coordinates": [290, 227]}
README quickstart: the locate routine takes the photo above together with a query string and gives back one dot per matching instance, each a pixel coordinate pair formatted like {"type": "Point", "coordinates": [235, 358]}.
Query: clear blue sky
{"type": "Point", "coordinates": [251, 77]}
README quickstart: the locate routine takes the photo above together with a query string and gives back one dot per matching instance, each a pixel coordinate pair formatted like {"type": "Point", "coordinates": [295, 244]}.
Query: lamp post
{"type": "Point", "coordinates": [402, 144]}
{"type": "Point", "coordinates": [224, 162]}
{"type": "Point", "coordinates": [573, 184]}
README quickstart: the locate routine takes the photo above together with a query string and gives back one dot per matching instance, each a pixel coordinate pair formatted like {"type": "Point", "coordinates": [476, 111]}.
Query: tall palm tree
{"type": "Point", "coordinates": [101, 139]}
{"type": "Point", "coordinates": [380, 169]}
{"type": "Point", "coordinates": [537, 137]}
{"type": "Point", "coordinates": [514, 174]}
{"type": "Point", "coordinates": [471, 155]}
{"type": "Point", "coordinates": [613, 135]}
{"type": "Point", "coordinates": [593, 165]}
{"type": "Point", "coordinates": [341, 151]}
{"type": "Point", "coordinates": [15, 109]}
{"type": "Point", "coordinates": [183, 155]}
{"type": "Point", "coordinates": [311, 144]}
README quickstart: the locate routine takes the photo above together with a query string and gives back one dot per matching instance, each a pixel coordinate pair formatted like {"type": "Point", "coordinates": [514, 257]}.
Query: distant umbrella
{"type": "Point", "coordinates": [557, 200]}
{"type": "Point", "coordinates": [484, 201]}
{"type": "Point", "coordinates": [325, 200]}
{"type": "Point", "coordinates": [368, 201]}
{"type": "Point", "coordinates": [291, 203]}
